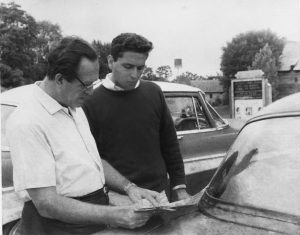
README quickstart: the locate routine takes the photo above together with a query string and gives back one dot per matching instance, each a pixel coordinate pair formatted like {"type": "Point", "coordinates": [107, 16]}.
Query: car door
{"type": "Point", "coordinates": [204, 137]}
{"type": "Point", "coordinates": [11, 203]}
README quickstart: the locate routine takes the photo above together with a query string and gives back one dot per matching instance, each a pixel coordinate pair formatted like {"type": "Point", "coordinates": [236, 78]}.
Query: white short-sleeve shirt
{"type": "Point", "coordinates": [50, 147]}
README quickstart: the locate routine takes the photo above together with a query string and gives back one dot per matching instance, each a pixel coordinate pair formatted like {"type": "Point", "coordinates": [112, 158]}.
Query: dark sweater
{"type": "Point", "coordinates": [135, 133]}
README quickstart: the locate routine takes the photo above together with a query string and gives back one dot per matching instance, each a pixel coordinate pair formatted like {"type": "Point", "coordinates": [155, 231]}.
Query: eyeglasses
{"type": "Point", "coordinates": [89, 86]}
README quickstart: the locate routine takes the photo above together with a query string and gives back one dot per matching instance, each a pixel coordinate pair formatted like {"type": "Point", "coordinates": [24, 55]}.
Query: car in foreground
{"type": "Point", "coordinates": [256, 188]}
{"type": "Point", "coordinates": [204, 137]}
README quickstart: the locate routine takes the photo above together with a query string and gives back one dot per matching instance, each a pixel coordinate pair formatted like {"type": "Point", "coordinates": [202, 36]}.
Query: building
{"type": "Point", "coordinates": [289, 72]}
{"type": "Point", "coordinates": [214, 91]}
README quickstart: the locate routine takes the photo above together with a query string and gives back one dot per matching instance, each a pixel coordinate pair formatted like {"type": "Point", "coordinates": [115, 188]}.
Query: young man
{"type": "Point", "coordinates": [55, 158]}
{"type": "Point", "coordinates": [131, 122]}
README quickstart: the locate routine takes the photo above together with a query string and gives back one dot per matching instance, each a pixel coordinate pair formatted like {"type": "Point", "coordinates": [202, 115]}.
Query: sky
{"type": "Point", "coordinates": [193, 30]}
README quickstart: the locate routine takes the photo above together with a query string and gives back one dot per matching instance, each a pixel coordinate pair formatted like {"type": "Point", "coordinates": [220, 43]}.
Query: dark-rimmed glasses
{"type": "Point", "coordinates": [87, 87]}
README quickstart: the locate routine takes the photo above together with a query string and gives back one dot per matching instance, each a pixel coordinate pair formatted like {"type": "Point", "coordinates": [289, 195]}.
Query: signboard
{"type": "Point", "coordinates": [248, 89]}
{"type": "Point", "coordinates": [248, 97]}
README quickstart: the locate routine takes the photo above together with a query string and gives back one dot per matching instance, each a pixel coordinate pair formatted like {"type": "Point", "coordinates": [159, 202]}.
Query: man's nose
{"type": "Point", "coordinates": [135, 73]}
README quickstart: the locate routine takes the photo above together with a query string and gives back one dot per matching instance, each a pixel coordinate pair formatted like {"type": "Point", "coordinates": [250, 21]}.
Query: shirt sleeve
{"type": "Point", "coordinates": [32, 158]}
{"type": "Point", "coordinates": [170, 147]}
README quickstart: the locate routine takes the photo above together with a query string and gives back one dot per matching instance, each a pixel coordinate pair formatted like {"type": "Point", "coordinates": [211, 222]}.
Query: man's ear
{"type": "Point", "coordinates": [59, 79]}
{"type": "Point", "coordinates": [110, 61]}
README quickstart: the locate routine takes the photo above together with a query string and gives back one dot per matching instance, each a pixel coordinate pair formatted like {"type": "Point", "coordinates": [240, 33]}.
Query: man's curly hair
{"type": "Point", "coordinates": [130, 42]}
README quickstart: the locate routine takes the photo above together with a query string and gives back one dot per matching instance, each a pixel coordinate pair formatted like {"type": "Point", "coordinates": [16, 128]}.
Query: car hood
{"type": "Point", "coordinates": [216, 219]}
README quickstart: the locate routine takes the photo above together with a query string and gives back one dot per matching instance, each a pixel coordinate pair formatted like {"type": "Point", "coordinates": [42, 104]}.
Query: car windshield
{"type": "Point", "coordinates": [262, 167]}
{"type": "Point", "coordinates": [6, 110]}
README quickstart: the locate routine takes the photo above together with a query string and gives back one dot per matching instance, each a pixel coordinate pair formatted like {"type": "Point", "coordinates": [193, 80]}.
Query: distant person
{"type": "Point", "coordinates": [55, 158]}
{"type": "Point", "coordinates": [131, 122]}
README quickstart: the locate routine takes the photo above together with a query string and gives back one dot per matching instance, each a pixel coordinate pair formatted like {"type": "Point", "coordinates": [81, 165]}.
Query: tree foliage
{"type": "Point", "coordinates": [10, 78]}
{"type": "Point", "coordinates": [47, 34]}
{"type": "Point", "coordinates": [183, 79]}
{"type": "Point", "coordinates": [266, 61]}
{"type": "Point", "coordinates": [148, 74]}
{"type": "Point", "coordinates": [24, 44]}
{"type": "Point", "coordinates": [18, 32]}
{"type": "Point", "coordinates": [103, 50]}
{"type": "Point", "coordinates": [239, 54]}
{"type": "Point", "coordinates": [164, 72]}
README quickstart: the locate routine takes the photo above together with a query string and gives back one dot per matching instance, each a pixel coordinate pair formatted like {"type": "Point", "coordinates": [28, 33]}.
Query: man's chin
{"type": "Point", "coordinates": [79, 103]}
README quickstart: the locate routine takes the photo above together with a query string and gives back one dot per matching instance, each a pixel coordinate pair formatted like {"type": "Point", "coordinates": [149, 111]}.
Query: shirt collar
{"type": "Point", "coordinates": [109, 84]}
{"type": "Point", "coordinates": [50, 104]}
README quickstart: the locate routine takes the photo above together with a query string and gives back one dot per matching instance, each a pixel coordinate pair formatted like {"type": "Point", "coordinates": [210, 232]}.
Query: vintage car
{"type": "Point", "coordinates": [255, 190]}
{"type": "Point", "coordinates": [204, 137]}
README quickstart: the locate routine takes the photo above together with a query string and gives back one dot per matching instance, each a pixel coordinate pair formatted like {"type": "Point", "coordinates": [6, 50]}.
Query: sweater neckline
{"type": "Point", "coordinates": [123, 91]}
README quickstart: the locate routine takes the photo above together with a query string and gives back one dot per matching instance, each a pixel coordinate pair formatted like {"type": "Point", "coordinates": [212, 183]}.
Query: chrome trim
{"type": "Point", "coordinates": [196, 131]}
{"type": "Point", "coordinates": [213, 156]}
{"type": "Point", "coordinates": [5, 149]}
{"type": "Point", "coordinates": [8, 189]}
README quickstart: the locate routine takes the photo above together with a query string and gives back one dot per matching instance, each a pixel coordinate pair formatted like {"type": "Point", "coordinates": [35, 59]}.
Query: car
{"type": "Point", "coordinates": [204, 137]}
{"type": "Point", "coordinates": [255, 189]}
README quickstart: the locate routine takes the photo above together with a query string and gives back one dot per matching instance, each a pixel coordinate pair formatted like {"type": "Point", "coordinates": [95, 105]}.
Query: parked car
{"type": "Point", "coordinates": [204, 138]}
{"type": "Point", "coordinates": [255, 190]}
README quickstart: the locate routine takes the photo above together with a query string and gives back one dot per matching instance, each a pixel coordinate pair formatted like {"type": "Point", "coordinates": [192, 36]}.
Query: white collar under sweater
{"type": "Point", "coordinates": [109, 84]}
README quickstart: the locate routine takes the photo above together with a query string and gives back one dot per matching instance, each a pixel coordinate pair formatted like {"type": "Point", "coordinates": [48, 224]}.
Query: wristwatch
{"type": "Point", "coordinates": [128, 186]}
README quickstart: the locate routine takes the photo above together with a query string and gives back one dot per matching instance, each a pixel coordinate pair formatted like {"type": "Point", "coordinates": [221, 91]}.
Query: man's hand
{"type": "Point", "coordinates": [181, 194]}
{"type": "Point", "coordinates": [126, 217]}
{"type": "Point", "coordinates": [136, 194]}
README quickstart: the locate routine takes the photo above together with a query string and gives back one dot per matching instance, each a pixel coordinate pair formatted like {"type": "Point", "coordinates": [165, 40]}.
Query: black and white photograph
{"type": "Point", "coordinates": [150, 117]}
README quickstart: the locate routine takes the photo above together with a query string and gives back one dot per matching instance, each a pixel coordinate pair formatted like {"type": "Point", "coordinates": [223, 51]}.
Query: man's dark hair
{"type": "Point", "coordinates": [64, 57]}
{"type": "Point", "coordinates": [130, 42]}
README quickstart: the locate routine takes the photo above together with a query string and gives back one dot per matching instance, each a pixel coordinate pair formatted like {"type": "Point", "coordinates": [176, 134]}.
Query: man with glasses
{"type": "Point", "coordinates": [55, 158]}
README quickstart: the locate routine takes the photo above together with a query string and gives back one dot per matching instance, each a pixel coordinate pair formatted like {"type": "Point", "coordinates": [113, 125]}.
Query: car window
{"type": "Point", "coordinates": [262, 168]}
{"type": "Point", "coordinates": [7, 177]}
{"type": "Point", "coordinates": [187, 113]}
{"type": "Point", "coordinates": [218, 120]}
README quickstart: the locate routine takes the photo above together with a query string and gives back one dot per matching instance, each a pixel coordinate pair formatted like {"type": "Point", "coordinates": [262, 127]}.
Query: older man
{"type": "Point", "coordinates": [55, 158]}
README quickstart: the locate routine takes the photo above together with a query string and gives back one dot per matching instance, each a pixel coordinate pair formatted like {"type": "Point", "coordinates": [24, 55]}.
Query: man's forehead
{"type": "Point", "coordinates": [133, 58]}
{"type": "Point", "coordinates": [88, 70]}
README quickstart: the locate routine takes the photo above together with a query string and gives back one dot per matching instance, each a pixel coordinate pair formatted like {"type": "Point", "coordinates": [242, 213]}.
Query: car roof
{"type": "Point", "coordinates": [176, 87]}
{"type": "Point", "coordinates": [289, 105]}
{"type": "Point", "coordinates": [16, 95]}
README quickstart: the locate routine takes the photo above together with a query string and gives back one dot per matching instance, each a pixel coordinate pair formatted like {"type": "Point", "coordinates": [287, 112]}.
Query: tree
{"type": "Point", "coordinates": [164, 72]}
{"type": "Point", "coordinates": [103, 50]}
{"type": "Point", "coordinates": [148, 74]}
{"type": "Point", "coordinates": [47, 34]}
{"type": "Point", "coordinates": [191, 76]}
{"type": "Point", "coordinates": [239, 54]}
{"type": "Point", "coordinates": [183, 79]}
{"type": "Point", "coordinates": [10, 78]}
{"type": "Point", "coordinates": [266, 61]}
{"type": "Point", "coordinates": [17, 37]}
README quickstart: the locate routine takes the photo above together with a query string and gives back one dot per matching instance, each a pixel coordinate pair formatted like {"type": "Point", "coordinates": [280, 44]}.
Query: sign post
{"type": "Point", "coordinates": [248, 94]}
